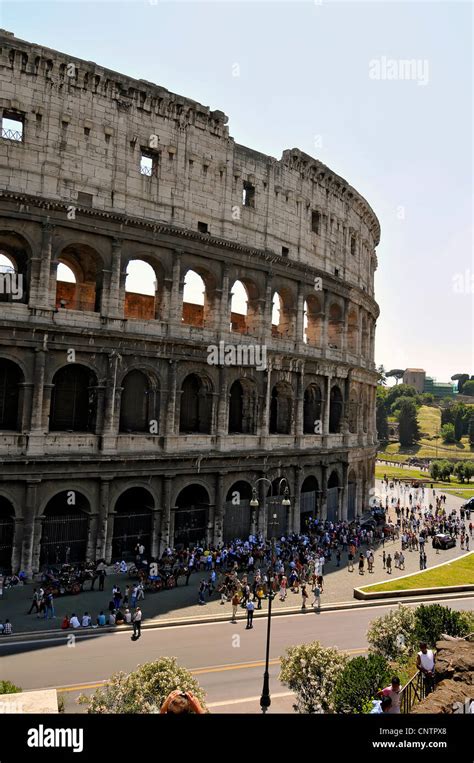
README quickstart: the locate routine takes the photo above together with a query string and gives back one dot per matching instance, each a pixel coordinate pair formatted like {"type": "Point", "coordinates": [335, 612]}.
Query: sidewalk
{"type": "Point", "coordinates": [182, 602]}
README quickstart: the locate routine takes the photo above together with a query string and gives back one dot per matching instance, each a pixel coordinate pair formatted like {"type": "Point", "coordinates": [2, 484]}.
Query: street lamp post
{"type": "Point", "coordinates": [265, 699]}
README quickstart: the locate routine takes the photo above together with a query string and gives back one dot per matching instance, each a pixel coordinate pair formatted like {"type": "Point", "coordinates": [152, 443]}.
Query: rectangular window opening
{"type": "Point", "coordinates": [148, 164]}
{"type": "Point", "coordinates": [353, 245]}
{"type": "Point", "coordinates": [285, 251]}
{"type": "Point", "coordinates": [315, 221]}
{"type": "Point", "coordinates": [248, 195]}
{"type": "Point", "coordinates": [203, 227]}
{"type": "Point", "coordinates": [13, 126]}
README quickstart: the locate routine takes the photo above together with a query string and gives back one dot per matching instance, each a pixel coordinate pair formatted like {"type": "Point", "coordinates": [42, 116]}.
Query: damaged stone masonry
{"type": "Point", "coordinates": [113, 425]}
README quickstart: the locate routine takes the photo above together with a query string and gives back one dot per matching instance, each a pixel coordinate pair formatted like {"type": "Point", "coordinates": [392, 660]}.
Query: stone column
{"type": "Point", "coordinates": [25, 405]}
{"type": "Point", "coordinates": [344, 493]}
{"type": "Point", "coordinates": [92, 537]}
{"type": "Point", "coordinates": [300, 314]}
{"type": "Point", "coordinates": [29, 540]}
{"type": "Point", "coordinates": [166, 519]}
{"type": "Point", "coordinates": [171, 412]}
{"type": "Point", "coordinates": [176, 306]}
{"type": "Point", "coordinates": [296, 500]}
{"type": "Point", "coordinates": [222, 404]}
{"type": "Point", "coordinates": [266, 324]}
{"type": "Point", "coordinates": [109, 535]}
{"type": "Point", "coordinates": [325, 316]}
{"type": "Point", "coordinates": [344, 327]}
{"type": "Point", "coordinates": [112, 396]}
{"type": "Point", "coordinates": [265, 417]}
{"type": "Point", "coordinates": [17, 543]}
{"type": "Point", "coordinates": [299, 418]}
{"type": "Point", "coordinates": [36, 434]}
{"type": "Point", "coordinates": [218, 536]}
{"type": "Point", "coordinates": [155, 533]}
{"type": "Point", "coordinates": [43, 294]}
{"type": "Point", "coordinates": [323, 506]}
{"type": "Point", "coordinates": [116, 286]}
{"type": "Point", "coordinates": [101, 535]}
{"type": "Point", "coordinates": [327, 405]}
{"type": "Point", "coordinates": [223, 316]}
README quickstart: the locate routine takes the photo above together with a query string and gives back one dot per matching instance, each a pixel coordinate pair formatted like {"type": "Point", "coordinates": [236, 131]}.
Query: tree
{"type": "Point", "coordinates": [359, 681]}
{"type": "Point", "coordinates": [468, 470]}
{"type": "Point", "coordinates": [432, 620]}
{"type": "Point", "coordinates": [426, 398]}
{"type": "Point", "coordinates": [395, 373]}
{"type": "Point", "coordinates": [403, 390]}
{"type": "Point", "coordinates": [448, 433]}
{"type": "Point", "coordinates": [468, 388]}
{"type": "Point", "coordinates": [381, 419]}
{"type": "Point", "coordinates": [409, 431]}
{"type": "Point", "coordinates": [461, 379]}
{"type": "Point", "coordinates": [6, 687]}
{"type": "Point", "coordinates": [397, 404]}
{"type": "Point", "coordinates": [434, 470]}
{"type": "Point", "coordinates": [312, 671]}
{"type": "Point", "coordinates": [460, 471]}
{"type": "Point", "coordinates": [391, 635]}
{"type": "Point", "coordinates": [381, 376]}
{"type": "Point", "coordinates": [143, 690]}
{"type": "Point", "coordinates": [471, 430]}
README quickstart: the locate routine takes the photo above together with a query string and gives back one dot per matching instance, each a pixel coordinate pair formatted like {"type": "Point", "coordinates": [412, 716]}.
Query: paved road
{"type": "Point", "coordinates": [222, 655]}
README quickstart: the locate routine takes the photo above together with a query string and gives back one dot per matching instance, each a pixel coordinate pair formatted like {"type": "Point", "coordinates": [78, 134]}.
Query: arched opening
{"type": "Point", "coordinates": [132, 523]}
{"type": "Point", "coordinates": [65, 529]}
{"type": "Point", "coordinates": [352, 332]}
{"type": "Point", "coordinates": [335, 327]}
{"type": "Point", "coordinates": [281, 405]}
{"type": "Point", "coordinates": [281, 314]}
{"type": "Point", "coordinates": [333, 497]}
{"type": "Point", "coordinates": [14, 262]}
{"type": "Point", "coordinates": [79, 279]}
{"type": "Point", "coordinates": [139, 405]}
{"type": "Point", "coordinates": [191, 516]}
{"type": "Point", "coordinates": [140, 291]}
{"type": "Point", "coordinates": [195, 414]}
{"type": "Point", "coordinates": [239, 308]}
{"type": "Point", "coordinates": [313, 321]}
{"type": "Point", "coordinates": [335, 410]}
{"type": "Point", "coordinates": [353, 411]}
{"type": "Point", "coordinates": [236, 408]}
{"type": "Point", "coordinates": [351, 496]}
{"type": "Point", "coordinates": [309, 502]}
{"type": "Point", "coordinates": [7, 530]}
{"type": "Point", "coordinates": [73, 401]}
{"type": "Point", "coordinates": [194, 299]}
{"type": "Point", "coordinates": [11, 377]}
{"type": "Point", "coordinates": [238, 513]}
{"type": "Point", "coordinates": [312, 410]}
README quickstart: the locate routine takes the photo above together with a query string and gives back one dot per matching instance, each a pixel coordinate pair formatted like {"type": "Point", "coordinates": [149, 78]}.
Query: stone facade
{"type": "Point", "coordinates": [115, 425]}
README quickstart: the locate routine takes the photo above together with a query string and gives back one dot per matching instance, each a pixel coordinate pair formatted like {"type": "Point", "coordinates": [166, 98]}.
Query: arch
{"type": "Point", "coordinates": [141, 290]}
{"type": "Point", "coordinates": [195, 415]}
{"type": "Point", "coordinates": [313, 321]}
{"type": "Point", "coordinates": [74, 399]}
{"type": "Point", "coordinates": [86, 265]}
{"type": "Point", "coordinates": [7, 532]}
{"type": "Point", "coordinates": [309, 501]}
{"type": "Point", "coordinates": [242, 407]}
{"type": "Point", "coordinates": [244, 312]}
{"type": "Point", "coordinates": [352, 331]}
{"type": "Point", "coordinates": [351, 495]}
{"type": "Point", "coordinates": [277, 513]}
{"type": "Point", "coordinates": [15, 258]}
{"type": "Point", "coordinates": [11, 377]}
{"type": "Point", "coordinates": [65, 528]}
{"type": "Point", "coordinates": [335, 410]}
{"type": "Point", "coordinates": [132, 522]}
{"type": "Point", "coordinates": [281, 409]}
{"type": "Point", "coordinates": [191, 514]}
{"type": "Point", "coordinates": [312, 410]}
{"type": "Point", "coordinates": [238, 513]}
{"type": "Point", "coordinates": [282, 320]}
{"type": "Point", "coordinates": [139, 404]}
{"type": "Point", "coordinates": [335, 326]}
{"type": "Point", "coordinates": [194, 299]}
{"type": "Point", "coordinates": [332, 496]}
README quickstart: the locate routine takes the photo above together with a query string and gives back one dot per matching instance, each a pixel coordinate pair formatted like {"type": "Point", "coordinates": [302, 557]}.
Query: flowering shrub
{"type": "Point", "coordinates": [358, 683]}
{"type": "Point", "coordinates": [311, 671]}
{"type": "Point", "coordinates": [392, 635]}
{"type": "Point", "coordinates": [144, 690]}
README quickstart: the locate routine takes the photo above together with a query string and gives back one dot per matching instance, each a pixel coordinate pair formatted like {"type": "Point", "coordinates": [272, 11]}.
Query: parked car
{"type": "Point", "coordinates": [443, 541]}
{"type": "Point", "coordinates": [469, 505]}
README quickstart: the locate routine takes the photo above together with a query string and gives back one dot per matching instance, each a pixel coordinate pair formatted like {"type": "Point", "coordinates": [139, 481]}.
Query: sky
{"type": "Point", "coordinates": [325, 76]}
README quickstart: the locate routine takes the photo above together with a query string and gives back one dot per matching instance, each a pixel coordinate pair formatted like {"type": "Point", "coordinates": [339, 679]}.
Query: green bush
{"type": "Point", "coordinates": [391, 635]}
{"type": "Point", "coordinates": [448, 433]}
{"type": "Point", "coordinates": [467, 619]}
{"type": "Point", "coordinates": [144, 690]}
{"type": "Point", "coordinates": [359, 682]}
{"type": "Point", "coordinates": [311, 671]}
{"type": "Point", "coordinates": [6, 687]}
{"type": "Point", "coordinates": [431, 620]}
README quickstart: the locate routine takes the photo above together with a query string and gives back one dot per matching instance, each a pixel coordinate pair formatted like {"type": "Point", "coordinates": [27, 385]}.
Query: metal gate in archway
{"type": "Point", "coordinates": [333, 503]}
{"type": "Point", "coordinates": [351, 500]}
{"type": "Point", "coordinates": [131, 528]}
{"type": "Point", "coordinates": [308, 509]}
{"type": "Point", "coordinates": [237, 519]}
{"type": "Point", "coordinates": [7, 526]}
{"type": "Point", "coordinates": [64, 538]}
{"type": "Point", "coordinates": [190, 524]}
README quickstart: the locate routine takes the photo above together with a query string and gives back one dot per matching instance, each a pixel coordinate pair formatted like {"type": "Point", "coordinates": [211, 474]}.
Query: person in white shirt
{"type": "Point", "coordinates": [112, 618]}
{"type": "Point", "coordinates": [425, 663]}
{"type": "Point", "coordinates": [86, 620]}
{"type": "Point", "coordinates": [74, 621]}
{"type": "Point", "coordinates": [127, 616]}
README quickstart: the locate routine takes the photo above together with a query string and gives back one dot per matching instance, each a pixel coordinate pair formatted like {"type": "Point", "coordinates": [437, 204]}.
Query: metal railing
{"type": "Point", "coordinates": [417, 688]}
{"type": "Point", "coordinates": [12, 134]}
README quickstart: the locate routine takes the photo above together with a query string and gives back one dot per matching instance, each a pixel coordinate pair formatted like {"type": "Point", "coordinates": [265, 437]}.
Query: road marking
{"type": "Point", "coordinates": [193, 671]}
{"type": "Point", "coordinates": [279, 695]}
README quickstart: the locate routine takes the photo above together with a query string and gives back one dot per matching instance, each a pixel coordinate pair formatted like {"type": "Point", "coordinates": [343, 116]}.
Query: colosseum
{"type": "Point", "coordinates": [231, 391]}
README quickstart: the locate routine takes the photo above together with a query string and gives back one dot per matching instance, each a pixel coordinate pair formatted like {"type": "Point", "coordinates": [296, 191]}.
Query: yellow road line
{"type": "Point", "coordinates": [197, 671]}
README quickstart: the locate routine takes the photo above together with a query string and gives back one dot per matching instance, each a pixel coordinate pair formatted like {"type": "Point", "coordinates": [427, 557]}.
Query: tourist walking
{"type": "Point", "coordinates": [37, 596]}
{"type": "Point", "coordinates": [235, 605]}
{"type": "Point", "coordinates": [389, 564]}
{"type": "Point", "coordinates": [250, 610]}
{"type": "Point", "coordinates": [316, 597]}
{"type": "Point", "coordinates": [137, 623]}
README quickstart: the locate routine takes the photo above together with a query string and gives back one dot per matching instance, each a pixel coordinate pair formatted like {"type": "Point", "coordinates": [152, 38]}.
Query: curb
{"type": "Point", "coordinates": [155, 624]}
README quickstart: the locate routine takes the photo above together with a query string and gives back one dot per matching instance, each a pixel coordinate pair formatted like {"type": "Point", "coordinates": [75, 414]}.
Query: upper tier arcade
{"type": "Point", "coordinates": [90, 137]}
